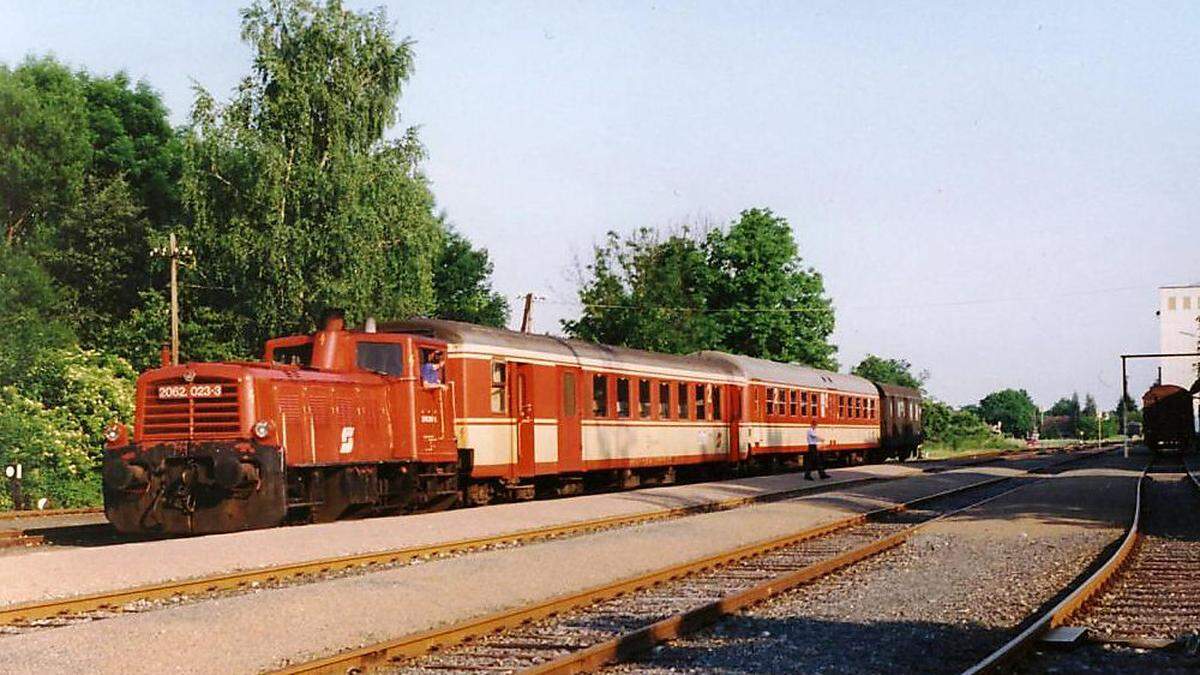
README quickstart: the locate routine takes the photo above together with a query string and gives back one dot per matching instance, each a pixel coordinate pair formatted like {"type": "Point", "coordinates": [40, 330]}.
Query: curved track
{"type": "Point", "coordinates": [1146, 596]}
{"type": "Point", "coordinates": [584, 630]}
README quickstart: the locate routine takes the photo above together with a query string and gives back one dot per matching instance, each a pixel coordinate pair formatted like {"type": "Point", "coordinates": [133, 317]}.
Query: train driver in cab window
{"type": "Point", "coordinates": [433, 361]}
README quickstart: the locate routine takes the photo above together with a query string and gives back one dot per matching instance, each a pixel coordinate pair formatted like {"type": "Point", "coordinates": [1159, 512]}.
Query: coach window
{"type": "Point", "coordinates": [701, 408]}
{"type": "Point", "coordinates": [681, 401]}
{"type": "Point", "coordinates": [622, 397]}
{"type": "Point", "coordinates": [499, 379]}
{"type": "Point", "coordinates": [793, 402]}
{"type": "Point", "coordinates": [599, 395]}
{"type": "Point", "coordinates": [568, 402]}
{"type": "Point", "coordinates": [664, 400]}
{"type": "Point", "coordinates": [716, 401]}
{"type": "Point", "coordinates": [644, 399]}
{"type": "Point", "coordinates": [385, 358]}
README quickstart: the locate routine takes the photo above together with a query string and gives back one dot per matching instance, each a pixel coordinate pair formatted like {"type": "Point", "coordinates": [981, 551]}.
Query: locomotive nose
{"type": "Point", "coordinates": [231, 473]}
{"type": "Point", "coordinates": [121, 475]}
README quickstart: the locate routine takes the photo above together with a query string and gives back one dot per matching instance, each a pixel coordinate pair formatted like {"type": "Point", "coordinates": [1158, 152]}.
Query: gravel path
{"type": "Point", "coordinates": [280, 625]}
{"type": "Point", "coordinates": [936, 604]}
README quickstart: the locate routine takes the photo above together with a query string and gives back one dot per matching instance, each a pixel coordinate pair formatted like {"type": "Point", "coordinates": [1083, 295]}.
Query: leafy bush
{"type": "Point", "coordinates": [953, 429]}
{"type": "Point", "coordinates": [52, 422]}
{"type": "Point", "coordinates": [52, 450]}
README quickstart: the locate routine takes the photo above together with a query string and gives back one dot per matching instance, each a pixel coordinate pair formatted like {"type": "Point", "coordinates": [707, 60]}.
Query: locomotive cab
{"type": "Point", "coordinates": [326, 425]}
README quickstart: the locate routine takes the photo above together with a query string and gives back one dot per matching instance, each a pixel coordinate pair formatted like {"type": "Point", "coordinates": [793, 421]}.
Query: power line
{"type": "Point", "coordinates": [804, 310]}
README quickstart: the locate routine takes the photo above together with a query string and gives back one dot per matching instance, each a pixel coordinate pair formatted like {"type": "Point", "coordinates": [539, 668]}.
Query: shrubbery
{"type": "Point", "coordinates": [53, 421]}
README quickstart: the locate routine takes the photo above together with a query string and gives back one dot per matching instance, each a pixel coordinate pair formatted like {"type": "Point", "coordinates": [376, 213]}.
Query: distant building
{"type": "Point", "coordinates": [1179, 331]}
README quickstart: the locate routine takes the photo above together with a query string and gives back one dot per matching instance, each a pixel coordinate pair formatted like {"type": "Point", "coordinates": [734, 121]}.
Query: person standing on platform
{"type": "Point", "coordinates": [813, 459]}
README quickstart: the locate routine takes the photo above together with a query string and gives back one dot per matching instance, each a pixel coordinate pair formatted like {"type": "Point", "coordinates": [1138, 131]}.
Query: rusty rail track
{"type": "Point", "coordinates": [1012, 650]}
{"type": "Point", "coordinates": [1163, 568]}
{"type": "Point", "coordinates": [10, 515]}
{"type": "Point", "coordinates": [581, 658]}
{"type": "Point", "coordinates": [23, 613]}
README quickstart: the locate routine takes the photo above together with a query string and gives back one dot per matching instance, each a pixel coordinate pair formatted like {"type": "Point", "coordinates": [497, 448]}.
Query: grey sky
{"type": "Point", "coordinates": [991, 193]}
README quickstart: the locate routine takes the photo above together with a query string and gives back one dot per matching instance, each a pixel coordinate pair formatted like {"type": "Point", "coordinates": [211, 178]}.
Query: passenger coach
{"type": "Point", "coordinates": [426, 413]}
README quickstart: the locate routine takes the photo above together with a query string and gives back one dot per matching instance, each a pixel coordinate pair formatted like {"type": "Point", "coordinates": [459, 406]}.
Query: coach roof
{"type": "Point", "coordinates": [572, 350]}
{"type": "Point", "coordinates": [791, 374]}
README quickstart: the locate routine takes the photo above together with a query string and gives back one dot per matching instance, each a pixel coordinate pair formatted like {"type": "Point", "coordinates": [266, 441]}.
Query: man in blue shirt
{"type": "Point", "coordinates": [812, 458]}
{"type": "Point", "coordinates": [431, 370]}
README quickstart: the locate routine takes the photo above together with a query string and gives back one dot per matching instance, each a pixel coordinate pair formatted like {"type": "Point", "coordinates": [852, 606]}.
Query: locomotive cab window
{"type": "Point", "coordinates": [599, 396]}
{"type": "Point", "coordinates": [433, 363]}
{"type": "Point", "coordinates": [386, 358]}
{"type": "Point", "coordinates": [499, 388]}
{"type": "Point", "coordinates": [294, 355]}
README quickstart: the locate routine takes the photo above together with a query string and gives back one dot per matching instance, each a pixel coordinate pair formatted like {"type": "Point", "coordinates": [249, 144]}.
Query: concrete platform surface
{"type": "Point", "coordinates": [45, 573]}
{"type": "Point", "coordinates": [269, 628]}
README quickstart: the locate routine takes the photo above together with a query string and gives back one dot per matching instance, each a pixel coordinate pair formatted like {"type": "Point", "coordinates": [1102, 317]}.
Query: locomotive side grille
{"type": "Point", "coordinates": [192, 417]}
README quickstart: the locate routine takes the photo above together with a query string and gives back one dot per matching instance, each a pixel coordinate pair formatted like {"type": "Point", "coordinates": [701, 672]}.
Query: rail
{"type": "Point", "coordinates": [374, 655]}
{"type": "Point", "coordinates": [112, 600]}
{"type": "Point", "coordinates": [1062, 612]}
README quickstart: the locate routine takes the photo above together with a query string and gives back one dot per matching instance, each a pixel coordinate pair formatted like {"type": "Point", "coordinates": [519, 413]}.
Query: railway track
{"type": "Point", "coordinates": [95, 605]}
{"type": "Point", "coordinates": [98, 605]}
{"type": "Point", "coordinates": [26, 614]}
{"type": "Point", "coordinates": [1146, 596]}
{"type": "Point", "coordinates": [582, 631]}
{"type": "Point", "coordinates": [101, 533]}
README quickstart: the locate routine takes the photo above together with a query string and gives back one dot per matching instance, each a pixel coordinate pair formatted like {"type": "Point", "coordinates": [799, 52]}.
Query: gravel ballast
{"type": "Point", "coordinates": [266, 629]}
{"type": "Point", "coordinates": [938, 603]}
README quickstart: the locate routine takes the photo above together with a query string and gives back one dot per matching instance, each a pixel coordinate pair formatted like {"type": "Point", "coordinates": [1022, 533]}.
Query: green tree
{"type": "Point", "coordinates": [649, 291]}
{"type": "Point", "coordinates": [33, 312]}
{"type": "Point", "coordinates": [297, 202]}
{"type": "Point", "coordinates": [1013, 409]}
{"type": "Point", "coordinates": [942, 424]}
{"type": "Point", "coordinates": [889, 371]}
{"type": "Point", "coordinates": [742, 289]}
{"type": "Point", "coordinates": [774, 307]}
{"type": "Point", "coordinates": [462, 284]}
{"type": "Point", "coordinates": [44, 150]}
{"type": "Point", "coordinates": [1066, 407]}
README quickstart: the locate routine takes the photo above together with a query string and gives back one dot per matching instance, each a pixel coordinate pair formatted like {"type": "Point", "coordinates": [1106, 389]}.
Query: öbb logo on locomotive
{"type": "Point", "coordinates": [428, 413]}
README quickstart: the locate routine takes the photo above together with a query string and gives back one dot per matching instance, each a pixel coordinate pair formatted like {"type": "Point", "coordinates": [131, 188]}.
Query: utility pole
{"type": "Point", "coordinates": [527, 315]}
{"type": "Point", "coordinates": [174, 253]}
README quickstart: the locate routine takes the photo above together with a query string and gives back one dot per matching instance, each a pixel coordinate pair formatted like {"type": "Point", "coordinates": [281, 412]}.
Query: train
{"type": "Point", "coordinates": [425, 414]}
{"type": "Point", "coordinates": [1168, 418]}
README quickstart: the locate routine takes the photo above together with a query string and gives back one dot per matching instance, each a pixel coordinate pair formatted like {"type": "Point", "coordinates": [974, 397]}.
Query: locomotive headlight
{"type": "Point", "coordinates": [116, 434]}
{"type": "Point", "coordinates": [262, 429]}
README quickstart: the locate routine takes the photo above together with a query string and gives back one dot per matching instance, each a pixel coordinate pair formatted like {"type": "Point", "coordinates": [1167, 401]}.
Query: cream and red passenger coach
{"type": "Point", "coordinates": [350, 421]}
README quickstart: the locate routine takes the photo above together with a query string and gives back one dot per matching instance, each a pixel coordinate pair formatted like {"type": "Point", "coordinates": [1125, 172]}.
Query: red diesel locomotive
{"type": "Point", "coordinates": [425, 414]}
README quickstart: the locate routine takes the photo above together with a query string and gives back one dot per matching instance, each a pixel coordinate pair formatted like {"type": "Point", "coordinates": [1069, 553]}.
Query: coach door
{"type": "Point", "coordinates": [570, 450]}
{"type": "Point", "coordinates": [522, 394]}
{"type": "Point", "coordinates": [735, 422]}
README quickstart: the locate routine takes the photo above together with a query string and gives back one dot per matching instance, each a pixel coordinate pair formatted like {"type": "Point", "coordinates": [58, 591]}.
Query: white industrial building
{"type": "Point", "coordinates": [1179, 332]}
